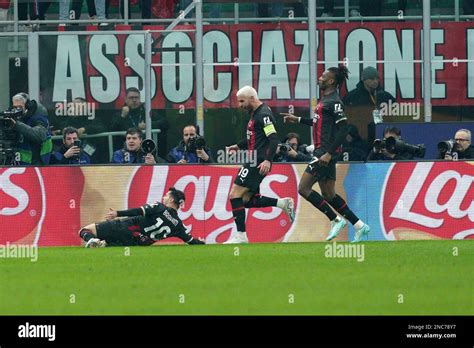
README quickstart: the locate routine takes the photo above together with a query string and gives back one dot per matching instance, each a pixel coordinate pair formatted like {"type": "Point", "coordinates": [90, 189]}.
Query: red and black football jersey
{"type": "Point", "coordinates": [159, 222]}
{"type": "Point", "coordinates": [260, 126]}
{"type": "Point", "coordinates": [329, 112]}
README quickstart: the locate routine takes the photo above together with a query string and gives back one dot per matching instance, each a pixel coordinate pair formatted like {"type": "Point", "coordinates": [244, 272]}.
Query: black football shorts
{"type": "Point", "coordinates": [322, 173]}
{"type": "Point", "coordinates": [249, 176]}
{"type": "Point", "coordinates": [122, 233]}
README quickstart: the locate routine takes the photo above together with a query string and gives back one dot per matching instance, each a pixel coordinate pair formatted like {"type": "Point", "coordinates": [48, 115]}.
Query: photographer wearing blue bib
{"type": "Point", "coordinates": [26, 129]}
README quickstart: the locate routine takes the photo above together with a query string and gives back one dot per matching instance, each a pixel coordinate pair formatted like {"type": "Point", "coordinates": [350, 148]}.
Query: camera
{"type": "Point", "coordinates": [7, 115]}
{"type": "Point", "coordinates": [148, 146]}
{"type": "Point", "coordinates": [379, 144]}
{"type": "Point", "coordinates": [196, 143]}
{"type": "Point", "coordinates": [447, 146]}
{"type": "Point", "coordinates": [8, 136]}
{"type": "Point", "coordinates": [284, 148]}
{"type": "Point", "coordinates": [398, 146]}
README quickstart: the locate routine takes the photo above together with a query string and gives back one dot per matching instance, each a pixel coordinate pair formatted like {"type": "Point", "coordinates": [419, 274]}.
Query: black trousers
{"type": "Point", "coordinates": [77, 8]}
{"type": "Point", "coordinates": [145, 6]}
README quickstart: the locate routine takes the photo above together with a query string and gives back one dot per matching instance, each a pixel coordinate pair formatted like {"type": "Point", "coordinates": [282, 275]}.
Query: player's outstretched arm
{"type": "Point", "coordinates": [112, 214]}
{"type": "Point", "coordinates": [290, 118]}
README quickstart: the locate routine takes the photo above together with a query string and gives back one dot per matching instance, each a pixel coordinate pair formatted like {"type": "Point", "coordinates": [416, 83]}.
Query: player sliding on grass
{"type": "Point", "coordinates": [144, 226]}
{"type": "Point", "coordinates": [261, 138]}
{"type": "Point", "coordinates": [329, 131]}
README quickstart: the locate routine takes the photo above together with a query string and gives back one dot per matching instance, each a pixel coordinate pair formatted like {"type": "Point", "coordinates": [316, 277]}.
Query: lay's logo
{"type": "Point", "coordinates": [207, 212]}
{"type": "Point", "coordinates": [428, 200]}
{"type": "Point", "coordinates": [22, 205]}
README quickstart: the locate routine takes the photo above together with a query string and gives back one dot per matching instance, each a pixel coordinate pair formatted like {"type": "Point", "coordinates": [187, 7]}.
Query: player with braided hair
{"type": "Point", "coordinates": [329, 131]}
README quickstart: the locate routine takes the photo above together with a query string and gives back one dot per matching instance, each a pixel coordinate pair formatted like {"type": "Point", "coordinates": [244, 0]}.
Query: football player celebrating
{"type": "Point", "coordinates": [263, 140]}
{"type": "Point", "coordinates": [329, 131]}
{"type": "Point", "coordinates": [143, 226]}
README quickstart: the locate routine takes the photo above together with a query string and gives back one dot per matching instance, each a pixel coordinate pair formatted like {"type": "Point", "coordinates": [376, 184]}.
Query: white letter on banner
{"type": "Point", "coordinates": [177, 81]}
{"type": "Point", "coordinates": [438, 90]}
{"type": "Point", "coordinates": [402, 71]}
{"type": "Point", "coordinates": [245, 56]}
{"type": "Point", "coordinates": [68, 58]}
{"type": "Point", "coordinates": [133, 46]}
{"type": "Point", "coordinates": [221, 90]}
{"type": "Point", "coordinates": [273, 50]}
{"type": "Point", "coordinates": [302, 82]}
{"type": "Point", "coordinates": [105, 88]}
{"type": "Point", "coordinates": [470, 64]}
{"type": "Point", "coordinates": [354, 54]}
{"type": "Point", "coordinates": [331, 48]}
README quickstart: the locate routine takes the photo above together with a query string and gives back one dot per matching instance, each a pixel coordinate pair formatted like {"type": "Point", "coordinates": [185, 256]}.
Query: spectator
{"type": "Point", "coordinates": [402, 5]}
{"type": "Point", "coordinates": [369, 95]}
{"type": "Point", "coordinates": [187, 151]}
{"type": "Point", "coordinates": [274, 9]}
{"type": "Point", "coordinates": [461, 147]}
{"type": "Point", "coordinates": [368, 91]}
{"type": "Point", "coordinates": [215, 9]}
{"type": "Point", "coordinates": [33, 135]}
{"type": "Point", "coordinates": [353, 148]}
{"type": "Point", "coordinates": [163, 8]}
{"type": "Point", "coordinates": [468, 7]}
{"type": "Point", "coordinates": [292, 152]}
{"type": "Point", "coordinates": [145, 6]}
{"type": "Point", "coordinates": [4, 5]}
{"type": "Point", "coordinates": [86, 122]}
{"type": "Point", "coordinates": [132, 152]}
{"type": "Point", "coordinates": [369, 8]}
{"type": "Point", "coordinates": [96, 8]}
{"type": "Point", "coordinates": [328, 10]}
{"type": "Point", "coordinates": [71, 149]}
{"type": "Point", "coordinates": [299, 9]}
{"type": "Point", "coordinates": [41, 7]}
{"type": "Point", "coordinates": [132, 115]}
{"type": "Point", "coordinates": [381, 153]}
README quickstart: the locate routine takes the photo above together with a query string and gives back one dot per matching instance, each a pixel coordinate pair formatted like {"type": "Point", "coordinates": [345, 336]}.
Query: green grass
{"type": "Point", "coordinates": [257, 282]}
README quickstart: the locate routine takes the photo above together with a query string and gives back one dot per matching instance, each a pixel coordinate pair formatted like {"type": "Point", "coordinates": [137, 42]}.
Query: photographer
{"type": "Point", "coordinates": [70, 152]}
{"type": "Point", "coordinates": [192, 149]}
{"type": "Point", "coordinates": [132, 115]}
{"type": "Point", "coordinates": [132, 151]}
{"type": "Point", "coordinates": [353, 147]}
{"type": "Point", "coordinates": [33, 143]}
{"type": "Point", "coordinates": [389, 150]}
{"type": "Point", "coordinates": [457, 148]}
{"type": "Point", "coordinates": [290, 150]}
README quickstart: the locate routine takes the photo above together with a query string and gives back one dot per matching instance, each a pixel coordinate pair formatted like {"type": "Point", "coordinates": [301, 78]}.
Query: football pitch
{"type": "Point", "coordinates": [381, 278]}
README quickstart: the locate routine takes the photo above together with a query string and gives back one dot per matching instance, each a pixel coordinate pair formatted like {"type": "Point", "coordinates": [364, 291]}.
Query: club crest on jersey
{"type": "Point", "coordinates": [338, 108]}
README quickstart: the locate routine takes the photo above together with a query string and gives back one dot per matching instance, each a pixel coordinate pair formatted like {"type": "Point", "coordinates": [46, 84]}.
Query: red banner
{"type": "Point", "coordinates": [104, 66]}
{"type": "Point", "coordinates": [411, 200]}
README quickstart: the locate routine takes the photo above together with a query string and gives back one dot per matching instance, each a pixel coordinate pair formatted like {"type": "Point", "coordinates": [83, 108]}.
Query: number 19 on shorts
{"type": "Point", "coordinates": [243, 172]}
